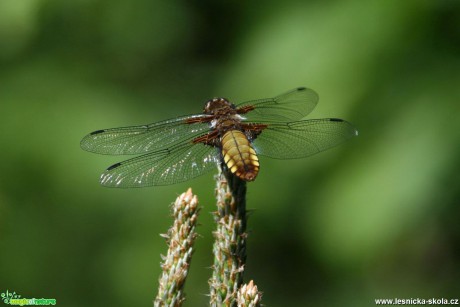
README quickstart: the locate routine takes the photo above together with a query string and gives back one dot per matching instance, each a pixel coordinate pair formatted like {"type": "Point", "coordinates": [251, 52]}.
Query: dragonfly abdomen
{"type": "Point", "coordinates": [239, 156]}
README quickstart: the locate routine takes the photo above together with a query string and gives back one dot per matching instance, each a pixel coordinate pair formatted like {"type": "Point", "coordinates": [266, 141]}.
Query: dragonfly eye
{"type": "Point", "coordinates": [216, 105]}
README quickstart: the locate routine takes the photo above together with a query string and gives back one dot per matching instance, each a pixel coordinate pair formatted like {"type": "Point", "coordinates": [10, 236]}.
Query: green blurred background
{"type": "Point", "coordinates": [377, 217]}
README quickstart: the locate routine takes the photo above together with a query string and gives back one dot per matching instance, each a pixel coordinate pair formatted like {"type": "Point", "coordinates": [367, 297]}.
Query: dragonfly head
{"type": "Point", "coordinates": [218, 106]}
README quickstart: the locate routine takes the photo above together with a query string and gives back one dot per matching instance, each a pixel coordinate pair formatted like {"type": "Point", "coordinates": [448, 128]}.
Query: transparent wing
{"type": "Point", "coordinates": [289, 106]}
{"type": "Point", "coordinates": [302, 138]}
{"type": "Point", "coordinates": [162, 168]}
{"type": "Point", "coordinates": [143, 139]}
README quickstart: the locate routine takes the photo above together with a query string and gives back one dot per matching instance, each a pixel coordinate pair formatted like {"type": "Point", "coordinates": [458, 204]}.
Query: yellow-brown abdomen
{"type": "Point", "coordinates": [240, 157]}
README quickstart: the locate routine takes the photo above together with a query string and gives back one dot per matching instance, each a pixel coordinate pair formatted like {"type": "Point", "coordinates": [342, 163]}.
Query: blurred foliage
{"type": "Point", "coordinates": [374, 218]}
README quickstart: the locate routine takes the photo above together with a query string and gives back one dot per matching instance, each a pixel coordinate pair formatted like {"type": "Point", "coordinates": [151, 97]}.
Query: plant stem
{"type": "Point", "coordinates": [180, 238]}
{"type": "Point", "coordinates": [230, 239]}
{"type": "Point", "coordinates": [249, 295]}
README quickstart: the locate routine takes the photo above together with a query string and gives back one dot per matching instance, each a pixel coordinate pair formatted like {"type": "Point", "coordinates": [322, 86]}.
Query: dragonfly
{"type": "Point", "coordinates": [179, 149]}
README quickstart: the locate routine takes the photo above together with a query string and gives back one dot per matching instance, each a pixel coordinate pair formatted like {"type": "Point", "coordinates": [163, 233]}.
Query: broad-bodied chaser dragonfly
{"type": "Point", "coordinates": [179, 149]}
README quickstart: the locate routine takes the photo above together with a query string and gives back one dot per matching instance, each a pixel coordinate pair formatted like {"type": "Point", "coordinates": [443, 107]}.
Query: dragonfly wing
{"type": "Point", "coordinates": [165, 167]}
{"type": "Point", "coordinates": [143, 139]}
{"type": "Point", "coordinates": [302, 138]}
{"type": "Point", "coordinates": [289, 106]}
